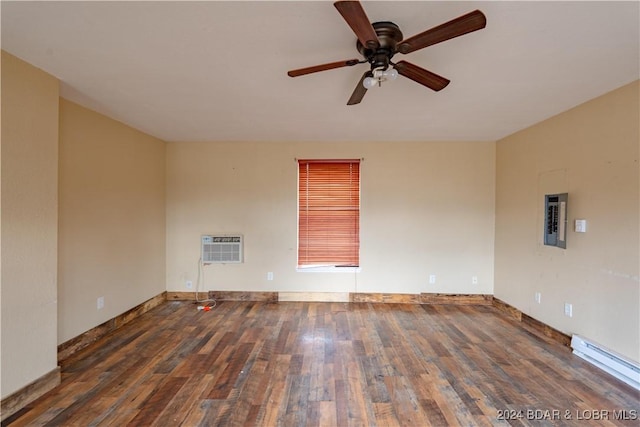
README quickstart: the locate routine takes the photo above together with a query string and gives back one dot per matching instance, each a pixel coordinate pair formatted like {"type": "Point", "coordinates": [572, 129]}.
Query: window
{"type": "Point", "coordinates": [328, 213]}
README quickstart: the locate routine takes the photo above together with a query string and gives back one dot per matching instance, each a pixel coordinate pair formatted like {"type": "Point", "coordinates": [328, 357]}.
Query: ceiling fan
{"type": "Point", "coordinates": [380, 41]}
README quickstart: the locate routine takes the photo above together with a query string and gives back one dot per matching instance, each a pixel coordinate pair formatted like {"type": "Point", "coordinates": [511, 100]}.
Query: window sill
{"type": "Point", "coordinates": [327, 269]}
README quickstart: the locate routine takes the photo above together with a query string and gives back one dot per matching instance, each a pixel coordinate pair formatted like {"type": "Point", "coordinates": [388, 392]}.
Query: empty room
{"type": "Point", "coordinates": [319, 213]}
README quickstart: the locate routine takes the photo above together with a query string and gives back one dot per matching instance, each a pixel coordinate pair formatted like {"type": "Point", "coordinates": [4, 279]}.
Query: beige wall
{"type": "Point", "coordinates": [427, 208]}
{"type": "Point", "coordinates": [29, 223]}
{"type": "Point", "coordinates": [112, 220]}
{"type": "Point", "coordinates": [591, 152]}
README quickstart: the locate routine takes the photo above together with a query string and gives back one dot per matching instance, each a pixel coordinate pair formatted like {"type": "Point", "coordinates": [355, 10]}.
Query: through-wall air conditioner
{"type": "Point", "coordinates": [222, 249]}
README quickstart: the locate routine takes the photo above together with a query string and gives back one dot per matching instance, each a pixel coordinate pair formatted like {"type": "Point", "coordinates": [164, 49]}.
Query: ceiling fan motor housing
{"type": "Point", "coordinates": [389, 35]}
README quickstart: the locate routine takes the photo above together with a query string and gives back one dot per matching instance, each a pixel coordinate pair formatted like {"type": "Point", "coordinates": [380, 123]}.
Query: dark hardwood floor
{"type": "Point", "coordinates": [329, 364]}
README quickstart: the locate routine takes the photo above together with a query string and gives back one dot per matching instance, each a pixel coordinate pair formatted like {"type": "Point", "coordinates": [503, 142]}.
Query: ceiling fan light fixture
{"type": "Point", "coordinates": [380, 75]}
{"type": "Point", "coordinates": [390, 74]}
{"type": "Point", "coordinates": [369, 82]}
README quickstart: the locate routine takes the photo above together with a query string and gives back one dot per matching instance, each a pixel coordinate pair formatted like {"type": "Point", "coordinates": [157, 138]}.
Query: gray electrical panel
{"type": "Point", "coordinates": [555, 220]}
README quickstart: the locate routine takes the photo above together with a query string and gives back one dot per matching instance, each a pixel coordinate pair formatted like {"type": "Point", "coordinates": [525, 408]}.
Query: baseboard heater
{"type": "Point", "coordinates": [605, 359]}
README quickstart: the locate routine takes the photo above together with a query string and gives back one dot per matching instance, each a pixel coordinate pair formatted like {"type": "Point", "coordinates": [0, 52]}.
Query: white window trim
{"type": "Point", "coordinates": [326, 269]}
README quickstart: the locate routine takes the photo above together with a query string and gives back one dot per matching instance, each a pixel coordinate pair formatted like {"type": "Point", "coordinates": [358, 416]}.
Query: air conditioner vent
{"type": "Point", "coordinates": [222, 249]}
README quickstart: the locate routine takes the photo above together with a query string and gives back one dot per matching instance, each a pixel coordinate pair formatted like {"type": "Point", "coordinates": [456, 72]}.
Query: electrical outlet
{"type": "Point", "coordinates": [474, 280]}
{"type": "Point", "coordinates": [432, 279]}
{"type": "Point", "coordinates": [568, 309]}
{"type": "Point", "coordinates": [270, 275]}
{"type": "Point", "coordinates": [100, 303]}
{"type": "Point", "coordinates": [189, 284]}
{"type": "Point", "coordinates": [538, 297]}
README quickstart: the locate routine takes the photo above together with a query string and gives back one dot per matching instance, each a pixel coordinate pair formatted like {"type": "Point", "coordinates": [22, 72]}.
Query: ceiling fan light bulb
{"type": "Point", "coordinates": [369, 82]}
{"type": "Point", "coordinates": [392, 74]}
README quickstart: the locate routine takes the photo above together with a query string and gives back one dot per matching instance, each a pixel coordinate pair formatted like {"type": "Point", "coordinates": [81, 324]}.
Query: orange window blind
{"type": "Point", "coordinates": [329, 212]}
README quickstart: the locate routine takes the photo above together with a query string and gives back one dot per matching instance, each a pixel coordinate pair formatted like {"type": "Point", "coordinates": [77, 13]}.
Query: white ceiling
{"type": "Point", "coordinates": [216, 71]}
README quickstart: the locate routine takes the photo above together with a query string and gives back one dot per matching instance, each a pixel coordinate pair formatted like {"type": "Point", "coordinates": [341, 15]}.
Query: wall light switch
{"type": "Point", "coordinates": [568, 309]}
{"type": "Point", "coordinates": [581, 226]}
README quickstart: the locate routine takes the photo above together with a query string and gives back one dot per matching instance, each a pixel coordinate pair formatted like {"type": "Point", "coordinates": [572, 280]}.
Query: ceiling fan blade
{"type": "Point", "coordinates": [422, 76]}
{"type": "Point", "coordinates": [323, 67]}
{"type": "Point", "coordinates": [354, 14]}
{"type": "Point", "coordinates": [464, 24]}
{"type": "Point", "coordinates": [360, 90]}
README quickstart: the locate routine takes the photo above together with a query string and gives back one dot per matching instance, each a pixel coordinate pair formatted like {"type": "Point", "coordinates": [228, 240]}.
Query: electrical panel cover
{"type": "Point", "coordinates": [555, 220]}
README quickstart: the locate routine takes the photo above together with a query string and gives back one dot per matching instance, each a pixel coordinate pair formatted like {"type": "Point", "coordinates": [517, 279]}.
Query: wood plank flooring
{"type": "Point", "coordinates": [329, 364]}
